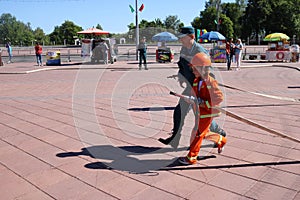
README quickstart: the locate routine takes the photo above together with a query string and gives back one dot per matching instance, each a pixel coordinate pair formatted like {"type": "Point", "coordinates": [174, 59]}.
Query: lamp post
{"type": "Point", "coordinates": [136, 29]}
{"type": "Point", "coordinates": [218, 13]}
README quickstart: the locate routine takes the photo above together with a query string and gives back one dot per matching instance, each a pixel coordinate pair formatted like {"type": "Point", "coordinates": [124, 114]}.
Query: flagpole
{"type": "Point", "coordinates": [137, 28]}
{"type": "Point", "coordinates": [218, 14]}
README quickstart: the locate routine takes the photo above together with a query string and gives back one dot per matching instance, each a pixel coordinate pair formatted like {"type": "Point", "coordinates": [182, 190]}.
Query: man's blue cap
{"type": "Point", "coordinates": [186, 30]}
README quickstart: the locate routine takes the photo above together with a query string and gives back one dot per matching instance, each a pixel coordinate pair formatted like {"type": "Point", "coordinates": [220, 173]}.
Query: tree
{"type": "Point", "coordinates": [234, 12]}
{"type": "Point", "coordinates": [7, 24]}
{"type": "Point", "coordinates": [143, 24]}
{"type": "Point", "coordinates": [68, 30]}
{"type": "Point", "coordinates": [131, 26]}
{"type": "Point", "coordinates": [295, 18]}
{"type": "Point", "coordinates": [14, 31]}
{"type": "Point", "coordinates": [65, 33]}
{"type": "Point", "coordinates": [206, 19]}
{"type": "Point", "coordinates": [159, 23]}
{"type": "Point", "coordinates": [24, 35]}
{"type": "Point", "coordinates": [255, 18]}
{"type": "Point", "coordinates": [284, 17]}
{"type": "Point", "coordinates": [54, 36]}
{"type": "Point", "coordinates": [196, 23]}
{"type": "Point", "coordinates": [99, 27]}
{"type": "Point", "coordinates": [268, 16]}
{"type": "Point", "coordinates": [212, 3]}
{"type": "Point", "coordinates": [172, 22]}
{"type": "Point", "coordinates": [40, 36]}
{"type": "Point", "coordinates": [149, 28]}
{"type": "Point", "coordinates": [226, 26]}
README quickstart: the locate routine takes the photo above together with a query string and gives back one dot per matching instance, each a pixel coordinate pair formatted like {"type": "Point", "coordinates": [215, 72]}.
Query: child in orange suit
{"type": "Point", "coordinates": [208, 95]}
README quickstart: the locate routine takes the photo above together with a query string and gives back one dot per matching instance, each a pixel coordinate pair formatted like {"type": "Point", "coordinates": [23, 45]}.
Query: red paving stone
{"type": "Point", "coordinates": [61, 125]}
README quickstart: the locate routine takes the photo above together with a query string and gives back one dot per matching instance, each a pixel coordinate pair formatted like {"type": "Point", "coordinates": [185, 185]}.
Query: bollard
{"type": "Point", "coordinates": [1, 62]}
{"type": "Point", "coordinates": [69, 56]}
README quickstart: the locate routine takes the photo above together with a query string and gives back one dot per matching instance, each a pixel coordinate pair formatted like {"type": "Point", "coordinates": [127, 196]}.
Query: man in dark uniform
{"type": "Point", "coordinates": [185, 75]}
{"type": "Point", "coordinates": [143, 53]}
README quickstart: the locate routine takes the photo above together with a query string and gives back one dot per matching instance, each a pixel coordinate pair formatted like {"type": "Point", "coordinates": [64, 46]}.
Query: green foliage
{"type": "Point", "coordinates": [65, 33]}
{"type": "Point", "coordinates": [267, 16]}
{"type": "Point", "coordinates": [172, 22]}
{"type": "Point", "coordinates": [284, 17]}
{"type": "Point", "coordinates": [255, 17]}
{"type": "Point", "coordinates": [226, 27]}
{"type": "Point", "coordinates": [149, 28]}
{"type": "Point", "coordinates": [196, 23]}
{"type": "Point", "coordinates": [234, 13]}
{"type": "Point", "coordinates": [19, 33]}
{"type": "Point", "coordinates": [238, 20]}
{"type": "Point", "coordinates": [251, 20]}
{"type": "Point", "coordinates": [39, 35]}
{"type": "Point", "coordinates": [206, 19]}
{"type": "Point", "coordinates": [159, 23]}
{"type": "Point", "coordinates": [14, 31]}
{"type": "Point", "coordinates": [99, 27]}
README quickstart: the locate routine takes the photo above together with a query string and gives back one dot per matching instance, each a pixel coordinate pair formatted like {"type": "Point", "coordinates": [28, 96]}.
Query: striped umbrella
{"type": "Point", "coordinates": [273, 37]}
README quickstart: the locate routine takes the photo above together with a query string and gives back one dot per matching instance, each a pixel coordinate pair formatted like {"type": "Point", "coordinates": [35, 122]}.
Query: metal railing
{"type": "Point", "coordinates": [126, 52]}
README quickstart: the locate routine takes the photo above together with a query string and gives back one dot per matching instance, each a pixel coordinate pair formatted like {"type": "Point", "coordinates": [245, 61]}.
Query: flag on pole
{"type": "Point", "coordinates": [141, 8]}
{"type": "Point", "coordinates": [131, 8]}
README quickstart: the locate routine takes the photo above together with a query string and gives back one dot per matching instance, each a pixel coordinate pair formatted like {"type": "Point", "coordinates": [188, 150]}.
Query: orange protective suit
{"type": "Point", "coordinates": [208, 92]}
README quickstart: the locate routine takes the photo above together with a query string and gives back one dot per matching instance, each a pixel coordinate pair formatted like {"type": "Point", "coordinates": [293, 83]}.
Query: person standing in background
{"type": "Point", "coordinates": [1, 62]}
{"type": "Point", "coordinates": [38, 53]}
{"type": "Point", "coordinates": [104, 51]}
{"type": "Point", "coordinates": [238, 53]}
{"type": "Point", "coordinates": [9, 51]}
{"type": "Point", "coordinates": [142, 48]}
{"type": "Point", "coordinates": [229, 52]}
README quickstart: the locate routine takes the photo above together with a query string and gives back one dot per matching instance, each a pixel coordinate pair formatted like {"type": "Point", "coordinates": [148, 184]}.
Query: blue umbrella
{"type": "Point", "coordinates": [212, 36]}
{"type": "Point", "coordinates": [164, 37]}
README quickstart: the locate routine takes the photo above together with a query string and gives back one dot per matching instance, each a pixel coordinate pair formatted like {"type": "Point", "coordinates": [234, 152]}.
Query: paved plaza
{"type": "Point", "coordinates": [80, 131]}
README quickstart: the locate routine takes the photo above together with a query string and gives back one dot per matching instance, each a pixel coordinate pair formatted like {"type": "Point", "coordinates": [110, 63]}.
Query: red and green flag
{"type": "Point", "coordinates": [131, 8]}
{"type": "Point", "coordinates": [141, 8]}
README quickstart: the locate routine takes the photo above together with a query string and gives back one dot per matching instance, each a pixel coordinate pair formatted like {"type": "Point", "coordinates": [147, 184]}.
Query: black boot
{"type": "Point", "coordinates": [173, 140]}
{"type": "Point", "coordinates": [165, 141]}
{"type": "Point", "coordinates": [222, 132]}
{"type": "Point", "coordinates": [217, 129]}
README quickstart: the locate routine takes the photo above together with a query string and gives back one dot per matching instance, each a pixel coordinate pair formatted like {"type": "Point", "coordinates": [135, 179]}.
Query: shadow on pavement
{"type": "Point", "coordinates": [151, 109]}
{"type": "Point", "coordinates": [133, 159]}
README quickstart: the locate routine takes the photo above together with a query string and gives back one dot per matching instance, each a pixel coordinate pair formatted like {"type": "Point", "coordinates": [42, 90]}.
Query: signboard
{"type": "Point", "coordinates": [218, 56]}
{"type": "Point", "coordinates": [278, 55]}
{"type": "Point", "coordinates": [86, 47]}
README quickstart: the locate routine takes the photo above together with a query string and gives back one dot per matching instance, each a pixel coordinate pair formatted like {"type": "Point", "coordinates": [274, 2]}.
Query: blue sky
{"type": "Point", "coordinates": [112, 15]}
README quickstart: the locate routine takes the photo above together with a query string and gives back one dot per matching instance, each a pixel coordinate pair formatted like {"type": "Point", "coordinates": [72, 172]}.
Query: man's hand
{"type": "Point", "coordinates": [173, 76]}
{"type": "Point", "coordinates": [181, 82]}
{"type": "Point", "coordinates": [189, 99]}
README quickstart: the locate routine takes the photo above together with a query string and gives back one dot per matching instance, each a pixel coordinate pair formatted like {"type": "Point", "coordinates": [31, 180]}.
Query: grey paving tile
{"type": "Point", "coordinates": [211, 192]}
{"type": "Point", "coordinates": [16, 187]}
{"type": "Point", "coordinates": [232, 182]}
{"type": "Point", "coordinates": [269, 191]}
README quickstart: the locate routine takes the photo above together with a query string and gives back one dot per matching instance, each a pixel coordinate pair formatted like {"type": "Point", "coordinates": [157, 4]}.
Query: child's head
{"type": "Point", "coordinates": [201, 64]}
